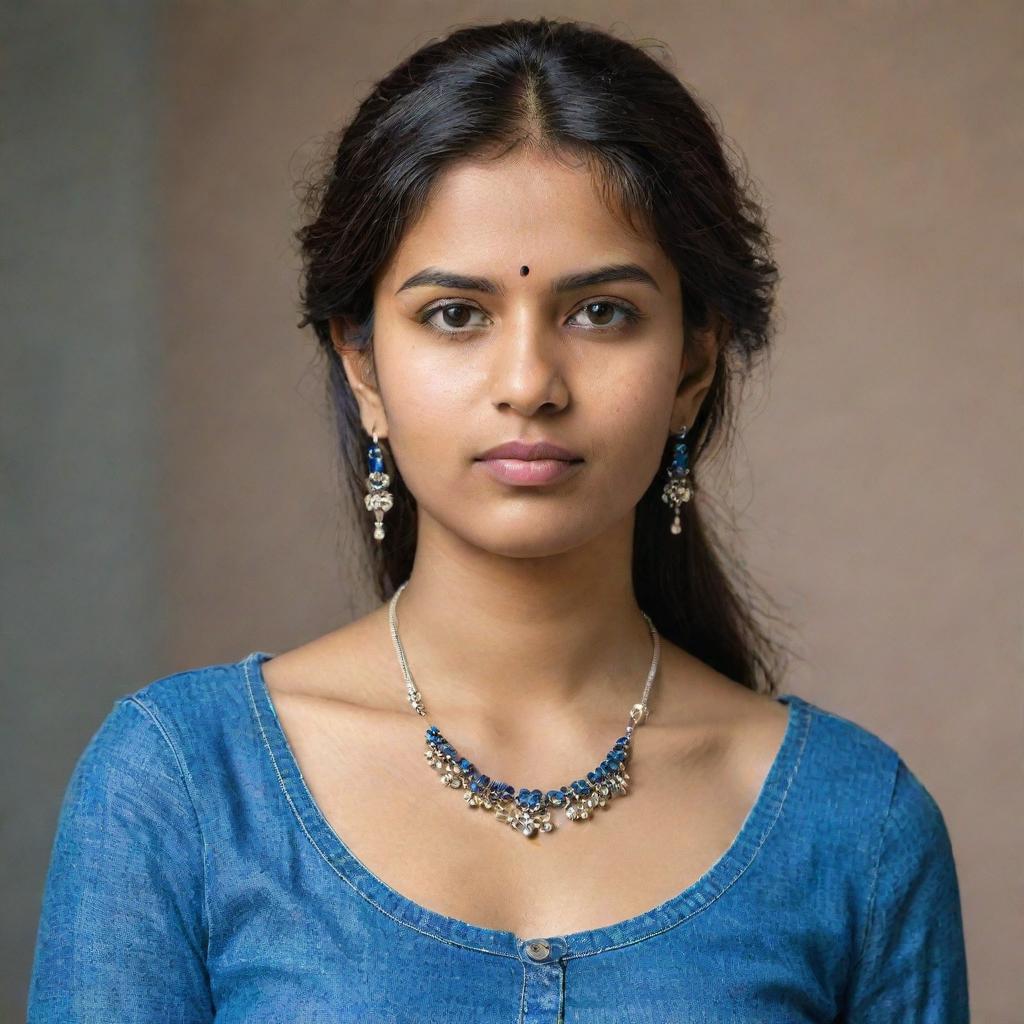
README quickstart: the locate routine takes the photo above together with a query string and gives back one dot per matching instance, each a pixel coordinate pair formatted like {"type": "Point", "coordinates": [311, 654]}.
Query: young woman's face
{"type": "Point", "coordinates": [505, 356]}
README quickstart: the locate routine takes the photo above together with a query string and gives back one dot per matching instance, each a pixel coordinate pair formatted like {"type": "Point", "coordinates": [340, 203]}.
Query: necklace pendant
{"type": "Point", "coordinates": [529, 823]}
{"type": "Point", "coordinates": [529, 811]}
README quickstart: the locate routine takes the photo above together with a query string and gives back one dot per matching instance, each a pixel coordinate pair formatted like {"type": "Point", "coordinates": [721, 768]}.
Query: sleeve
{"type": "Point", "coordinates": [123, 929]}
{"type": "Point", "coordinates": [912, 966]}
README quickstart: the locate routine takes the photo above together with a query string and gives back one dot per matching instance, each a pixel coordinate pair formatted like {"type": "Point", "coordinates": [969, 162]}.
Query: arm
{"type": "Point", "coordinates": [123, 930]}
{"type": "Point", "coordinates": [912, 966]}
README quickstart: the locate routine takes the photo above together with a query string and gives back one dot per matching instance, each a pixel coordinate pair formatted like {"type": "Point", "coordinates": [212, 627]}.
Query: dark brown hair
{"type": "Point", "coordinates": [569, 89]}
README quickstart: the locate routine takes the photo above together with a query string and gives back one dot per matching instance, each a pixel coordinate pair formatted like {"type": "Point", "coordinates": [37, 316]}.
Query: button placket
{"type": "Point", "coordinates": [543, 980]}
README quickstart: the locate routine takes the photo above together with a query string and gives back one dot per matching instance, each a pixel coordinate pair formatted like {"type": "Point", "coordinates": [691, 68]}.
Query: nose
{"type": "Point", "coordinates": [527, 374]}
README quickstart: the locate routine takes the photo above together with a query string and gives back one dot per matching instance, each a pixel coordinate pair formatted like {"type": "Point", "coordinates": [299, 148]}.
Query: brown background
{"type": "Point", "coordinates": [877, 485]}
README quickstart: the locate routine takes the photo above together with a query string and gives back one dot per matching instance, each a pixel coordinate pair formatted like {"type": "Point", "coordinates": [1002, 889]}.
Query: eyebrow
{"type": "Point", "coordinates": [567, 283]}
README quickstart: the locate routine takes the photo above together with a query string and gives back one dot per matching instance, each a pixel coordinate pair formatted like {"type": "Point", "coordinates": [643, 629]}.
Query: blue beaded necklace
{"type": "Point", "coordinates": [529, 810]}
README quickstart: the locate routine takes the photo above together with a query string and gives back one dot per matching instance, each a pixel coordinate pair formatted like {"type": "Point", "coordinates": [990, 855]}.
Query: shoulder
{"type": "Point", "coordinates": [130, 791]}
{"type": "Point", "coordinates": [175, 736]}
{"type": "Point", "coordinates": [199, 684]}
{"type": "Point", "coordinates": [187, 704]}
{"type": "Point", "coordinates": [860, 756]}
{"type": "Point", "coordinates": [855, 776]}
{"type": "Point", "coordinates": [843, 754]}
{"type": "Point", "coordinates": [127, 746]}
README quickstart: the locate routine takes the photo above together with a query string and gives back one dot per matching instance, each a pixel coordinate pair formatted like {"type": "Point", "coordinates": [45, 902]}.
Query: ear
{"type": "Point", "coordinates": [361, 373]}
{"type": "Point", "coordinates": [697, 370]}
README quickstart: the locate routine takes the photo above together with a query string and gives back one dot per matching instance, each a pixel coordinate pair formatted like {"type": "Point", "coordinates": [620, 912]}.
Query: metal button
{"type": "Point", "coordinates": [538, 949]}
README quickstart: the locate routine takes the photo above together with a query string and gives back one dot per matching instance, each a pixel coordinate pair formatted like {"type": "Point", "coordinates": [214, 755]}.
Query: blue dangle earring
{"type": "Point", "coordinates": [679, 487]}
{"type": "Point", "coordinates": [379, 499]}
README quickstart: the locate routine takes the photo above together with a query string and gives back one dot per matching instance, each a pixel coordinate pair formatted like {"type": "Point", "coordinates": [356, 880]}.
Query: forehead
{"type": "Point", "coordinates": [522, 208]}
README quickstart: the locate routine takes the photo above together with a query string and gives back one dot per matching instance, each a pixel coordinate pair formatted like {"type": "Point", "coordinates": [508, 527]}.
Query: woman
{"type": "Point", "coordinates": [537, 280]}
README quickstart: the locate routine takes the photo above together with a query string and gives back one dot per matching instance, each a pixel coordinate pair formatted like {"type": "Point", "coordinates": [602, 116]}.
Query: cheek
{"type": "Point", "coordinates": [432, 430]}
{"type": "Point", "coordinates": [630, 410]}
{"type": "Point", "coordinates": [628, 446]}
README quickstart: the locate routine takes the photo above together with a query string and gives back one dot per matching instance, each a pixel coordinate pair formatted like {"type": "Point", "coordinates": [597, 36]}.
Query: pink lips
{"type": "Point", "coordinates": [519, 462]}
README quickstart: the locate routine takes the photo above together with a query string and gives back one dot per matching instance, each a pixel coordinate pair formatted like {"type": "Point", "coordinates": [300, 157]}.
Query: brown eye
{"type": "Point", "coordinates": [605, 313]}
{"type": "Point", "coordinates": [601, 315]}
{"type": "Point", "coordinates": [455, 318]}
{"type": "Point", "coordinates": [458, 318]}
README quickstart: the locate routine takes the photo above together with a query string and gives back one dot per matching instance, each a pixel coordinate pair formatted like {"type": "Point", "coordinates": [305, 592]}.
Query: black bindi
{"type": "Point", "coordinates": [523, 271]}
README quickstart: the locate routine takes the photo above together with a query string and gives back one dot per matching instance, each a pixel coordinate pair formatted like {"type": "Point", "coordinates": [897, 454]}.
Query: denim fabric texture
{"type": "Point", "coordinates": [194, 878]}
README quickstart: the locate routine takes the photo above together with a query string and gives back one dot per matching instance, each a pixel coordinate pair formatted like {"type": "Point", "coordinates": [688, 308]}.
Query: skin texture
{"type": "Point", "coordinates": [519, 622]}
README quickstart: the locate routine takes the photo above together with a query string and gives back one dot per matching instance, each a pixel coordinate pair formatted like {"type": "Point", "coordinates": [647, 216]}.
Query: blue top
{"type": "Point", "coordinates": [193, 878]}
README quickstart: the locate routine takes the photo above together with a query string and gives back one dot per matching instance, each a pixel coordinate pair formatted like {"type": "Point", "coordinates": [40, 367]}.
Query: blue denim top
{"type": "Point", "coordinates": [193, 878]}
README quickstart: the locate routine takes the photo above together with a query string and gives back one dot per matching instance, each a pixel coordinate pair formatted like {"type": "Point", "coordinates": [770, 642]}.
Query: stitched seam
{"type": "Point", "coordinates": [522, 998]}
{"type": "Point", "coordinates": [330, 863]}
{"type": "Point", "coordinates": [808, 717]}
{"type": "Point", "coordinates": [872, 892]}
{"type": "Point", "coordinates": [187, 782]}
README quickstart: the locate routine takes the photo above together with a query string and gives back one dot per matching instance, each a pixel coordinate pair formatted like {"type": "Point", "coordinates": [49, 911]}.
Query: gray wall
{"type": "Point", "coordinates": [83, 601]}
{"type": "Point", "coordinates": [168, 486]}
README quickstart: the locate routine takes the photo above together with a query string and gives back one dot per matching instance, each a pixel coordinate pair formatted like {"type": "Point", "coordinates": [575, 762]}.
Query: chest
{"type": "Point", "coordinates": [370, 781]}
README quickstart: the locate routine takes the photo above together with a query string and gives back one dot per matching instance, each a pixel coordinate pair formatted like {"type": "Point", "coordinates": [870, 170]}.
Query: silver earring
{"type": "Point", "coordinates": [679, 487]}
{"type": "Point", "coordinates": [379, 499]}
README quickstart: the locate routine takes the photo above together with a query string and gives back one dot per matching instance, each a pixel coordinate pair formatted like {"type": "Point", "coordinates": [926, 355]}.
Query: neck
{"type": "Point", "coordinates": [494, 636]}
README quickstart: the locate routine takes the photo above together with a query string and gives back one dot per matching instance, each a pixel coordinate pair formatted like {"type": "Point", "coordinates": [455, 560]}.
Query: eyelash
{"type": "Point", "coordinates": [632, 316]}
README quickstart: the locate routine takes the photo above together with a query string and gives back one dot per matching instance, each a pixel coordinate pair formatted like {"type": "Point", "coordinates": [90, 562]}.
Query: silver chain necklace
{"type": "Point", "coordinates": [529, 810]}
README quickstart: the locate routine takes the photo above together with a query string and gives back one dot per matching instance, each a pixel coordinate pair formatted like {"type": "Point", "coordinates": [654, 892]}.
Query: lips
{"type": "Point", "coordinates": [530, 452]}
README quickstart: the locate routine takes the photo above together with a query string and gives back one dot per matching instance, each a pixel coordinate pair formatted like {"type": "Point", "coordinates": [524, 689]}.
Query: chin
{"type": "Point", "coordinates": [532, 536]}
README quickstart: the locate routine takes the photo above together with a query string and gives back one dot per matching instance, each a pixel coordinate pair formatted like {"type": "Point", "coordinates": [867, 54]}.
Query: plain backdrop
{"type": "Point", "coordinates": [168, 486]}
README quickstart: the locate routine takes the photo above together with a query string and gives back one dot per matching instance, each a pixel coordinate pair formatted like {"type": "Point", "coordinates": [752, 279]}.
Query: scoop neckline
{"type": "Point", "coordinates": [696, 897]}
